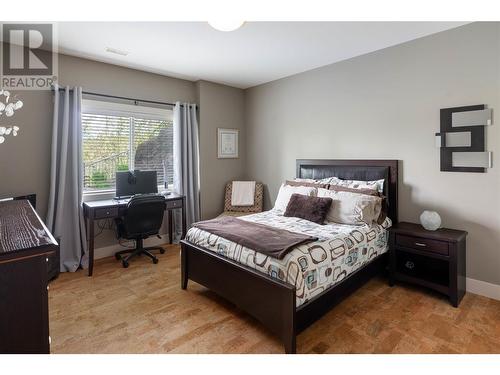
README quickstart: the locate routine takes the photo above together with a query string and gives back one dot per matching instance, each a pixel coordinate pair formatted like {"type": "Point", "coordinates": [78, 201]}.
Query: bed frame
{"type": "Point", "coordinates": [270, 300]}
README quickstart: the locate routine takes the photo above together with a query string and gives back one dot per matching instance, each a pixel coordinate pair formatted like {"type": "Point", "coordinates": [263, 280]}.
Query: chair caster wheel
{"type": "Point", "coordinates": [155, 261]}
{"type": "Point", "coordinates": [117, 257]}
{"type": "Point", "coordinates": [125, 264]}
{"type": "Point", "coordinates": [162, 251]}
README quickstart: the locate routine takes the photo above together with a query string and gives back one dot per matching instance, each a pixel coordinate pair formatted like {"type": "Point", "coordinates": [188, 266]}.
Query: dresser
{"type": "Point", "coordinates": [25, 245]}
{"type": "Point", "coordinates": [433, 259]}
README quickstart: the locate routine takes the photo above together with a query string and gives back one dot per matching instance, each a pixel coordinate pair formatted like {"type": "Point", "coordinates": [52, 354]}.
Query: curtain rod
{"type": "Point", "coordinates": [136, 101]}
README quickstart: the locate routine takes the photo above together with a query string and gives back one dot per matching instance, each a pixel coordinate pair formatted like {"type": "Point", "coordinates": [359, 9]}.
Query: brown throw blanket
{"type": "Point", "coordinates": [265, 239]}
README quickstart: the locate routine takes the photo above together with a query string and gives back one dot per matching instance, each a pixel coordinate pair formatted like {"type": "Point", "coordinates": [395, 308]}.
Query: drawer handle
{"type": "Point", "coordinates": [410, 265]}
{"type": "Point", "coordinates": [420, 244]}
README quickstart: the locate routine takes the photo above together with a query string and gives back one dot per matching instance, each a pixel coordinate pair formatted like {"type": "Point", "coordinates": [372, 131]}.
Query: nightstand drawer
{"type": "Point", "coordinates": [422, 267]}
{"type": "Point", "coordinates": [103, 213]}
{"type": "Point", "coordinates": [424, 244]}
{"type": "Point", "coordinates": [174, 204]}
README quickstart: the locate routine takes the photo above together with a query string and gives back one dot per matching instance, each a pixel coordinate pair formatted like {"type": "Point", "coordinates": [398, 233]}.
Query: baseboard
{"type": "Point", "coordinates": [483, 288]}
{"type": "Point", "coordinates": [107, 251]}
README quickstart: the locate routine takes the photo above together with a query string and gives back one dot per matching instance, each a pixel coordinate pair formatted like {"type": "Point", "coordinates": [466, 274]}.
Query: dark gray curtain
{"type": "Point", "coordinates": [186, 160]}
{"type": "Point", "coordinates": [65, 215]}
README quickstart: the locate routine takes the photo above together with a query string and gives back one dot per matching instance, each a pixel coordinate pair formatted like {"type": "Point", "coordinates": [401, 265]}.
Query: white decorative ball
{"type": "Point", "coordinates": [430, 220]}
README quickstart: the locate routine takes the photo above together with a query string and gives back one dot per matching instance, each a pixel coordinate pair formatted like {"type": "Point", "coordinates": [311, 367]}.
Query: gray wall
{"type": "Point", "coordinates": [25, 160]}
{"type": "Point", "coordinates": [220, 107]}
{"type": "Point", "coordinates": [386, 105]}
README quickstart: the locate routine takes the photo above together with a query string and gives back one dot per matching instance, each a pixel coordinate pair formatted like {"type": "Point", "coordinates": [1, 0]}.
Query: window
{"type": "Point", "coordinates": [121, 137]}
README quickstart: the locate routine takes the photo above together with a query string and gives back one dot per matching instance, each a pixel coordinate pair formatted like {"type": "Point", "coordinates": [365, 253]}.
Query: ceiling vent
{"type": "Point", "coordinates": [116, 51]}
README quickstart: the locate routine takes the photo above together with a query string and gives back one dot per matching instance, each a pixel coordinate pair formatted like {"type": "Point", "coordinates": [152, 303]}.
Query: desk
{"type": "Point", "coordinates": [111, 209]}
{"type": "Point", "coordinates": [25, 245]}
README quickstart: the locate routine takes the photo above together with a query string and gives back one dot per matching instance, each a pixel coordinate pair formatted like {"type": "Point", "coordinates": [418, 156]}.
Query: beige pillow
{"type": "Point", "coordinates": [352, 208]}
{"type": "Point", "coordinates": [384, 208]}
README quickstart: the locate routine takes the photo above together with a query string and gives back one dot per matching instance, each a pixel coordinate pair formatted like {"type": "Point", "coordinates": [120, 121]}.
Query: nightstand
{"type": "Point", "coordinates": [433, 259]}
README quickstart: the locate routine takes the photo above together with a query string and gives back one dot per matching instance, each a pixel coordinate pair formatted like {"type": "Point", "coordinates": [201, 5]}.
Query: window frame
{"type": "Point", "coordinates": [109, 108]}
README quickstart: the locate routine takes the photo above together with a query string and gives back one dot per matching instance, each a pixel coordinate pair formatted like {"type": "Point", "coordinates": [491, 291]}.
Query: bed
{"type": "Point", "coordinates": [288, 295]}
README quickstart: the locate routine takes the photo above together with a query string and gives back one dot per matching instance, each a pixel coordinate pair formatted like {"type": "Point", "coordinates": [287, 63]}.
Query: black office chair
{"type": "Point", "coordinates": [142, 218]}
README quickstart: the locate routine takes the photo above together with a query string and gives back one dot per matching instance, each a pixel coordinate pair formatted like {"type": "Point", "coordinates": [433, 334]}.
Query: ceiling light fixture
{"type": "Point", "coordinates": [226, 25]}
{"type": "Point", "coordinates": [116, 51]}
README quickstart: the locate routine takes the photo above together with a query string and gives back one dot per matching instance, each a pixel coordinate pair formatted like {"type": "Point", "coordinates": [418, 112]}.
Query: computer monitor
{"type": "Point", "coordinates": [135, 182]}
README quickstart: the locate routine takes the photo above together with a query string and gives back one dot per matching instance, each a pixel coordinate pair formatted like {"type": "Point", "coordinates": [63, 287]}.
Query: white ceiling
{"type": "Point", "coordinates": [256, 53]}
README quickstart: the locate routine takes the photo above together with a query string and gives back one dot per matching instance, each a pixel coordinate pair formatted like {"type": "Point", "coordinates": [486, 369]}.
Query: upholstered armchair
{"type": "Point", "coordinates": [230, 210]}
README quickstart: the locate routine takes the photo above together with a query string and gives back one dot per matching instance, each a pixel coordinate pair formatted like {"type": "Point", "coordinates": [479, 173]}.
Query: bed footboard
{"type": "Point", "coordinates": [269, 300]}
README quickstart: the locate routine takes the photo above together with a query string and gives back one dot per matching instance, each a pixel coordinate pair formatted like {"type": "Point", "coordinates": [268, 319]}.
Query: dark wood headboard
{"type": "Point", "coordinates": [364, 170]}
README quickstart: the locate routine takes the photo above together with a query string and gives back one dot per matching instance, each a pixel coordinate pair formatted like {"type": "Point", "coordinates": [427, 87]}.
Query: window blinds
{"type": "Point", "coordinates": [119, 143]}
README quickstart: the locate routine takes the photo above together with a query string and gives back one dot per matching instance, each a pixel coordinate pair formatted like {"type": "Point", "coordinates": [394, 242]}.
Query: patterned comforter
{"type": "Point", "coordinates": [312, 267]}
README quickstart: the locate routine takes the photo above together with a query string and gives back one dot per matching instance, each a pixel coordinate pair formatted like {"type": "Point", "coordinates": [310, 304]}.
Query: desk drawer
{"type": "Point", "coordinates": [174, 204]}
{"type": "Point", "coordinates": [103, 213]}
{"type": "Point", "coordinates": [423, 244]}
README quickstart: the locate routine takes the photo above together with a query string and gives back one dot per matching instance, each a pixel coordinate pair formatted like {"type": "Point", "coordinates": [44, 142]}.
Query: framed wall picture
{"type": "Point", "coordinates": [227, 143]}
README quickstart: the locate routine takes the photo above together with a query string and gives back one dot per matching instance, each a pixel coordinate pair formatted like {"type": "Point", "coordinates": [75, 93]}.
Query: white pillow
{"type": "Point", "coordinates": [286, 192]}
{"type": "Point", "coordinates": [352, 208]}
{"type": "Point", "coordinates": [356, 184]}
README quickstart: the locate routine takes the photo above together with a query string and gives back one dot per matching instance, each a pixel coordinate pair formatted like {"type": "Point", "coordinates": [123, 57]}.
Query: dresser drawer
{"type": "Point", "coordinates": [103, 213]}
{"type": "Point", "coordinates": [424, 244]}
{"type": "Point", "coordinates": [174, 204]}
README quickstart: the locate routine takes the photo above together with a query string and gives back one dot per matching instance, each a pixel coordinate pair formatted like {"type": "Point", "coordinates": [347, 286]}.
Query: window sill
{"type": "Point", "coordinates": [98, 195]}
{"type": "Point", "coordinates": [110, 194]}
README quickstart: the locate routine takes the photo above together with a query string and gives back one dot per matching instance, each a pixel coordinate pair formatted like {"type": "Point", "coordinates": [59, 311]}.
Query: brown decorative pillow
{"type": "Point", "coordinates": [309, 208]}
{"type": "Point", "coordinates": [306, 184]}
